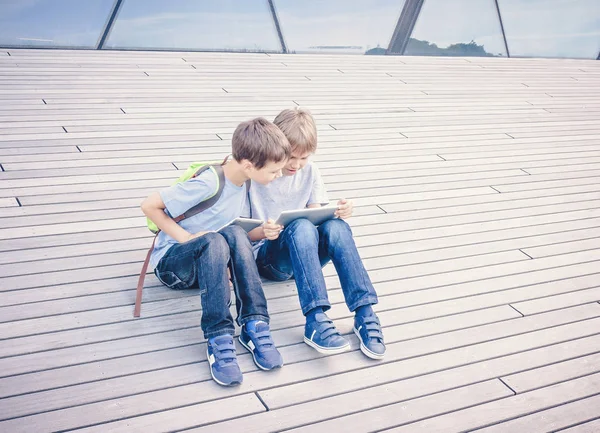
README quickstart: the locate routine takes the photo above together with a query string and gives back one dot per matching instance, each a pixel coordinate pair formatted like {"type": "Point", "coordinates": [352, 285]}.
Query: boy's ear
{"type": "Point", "coordinates": [246, 165]}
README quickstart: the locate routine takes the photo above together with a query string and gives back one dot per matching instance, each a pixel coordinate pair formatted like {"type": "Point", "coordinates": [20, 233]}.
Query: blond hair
{"type": "Point", "coordinates": [260, 142]}
{"type": "Point", "coordinates": [299, 127]}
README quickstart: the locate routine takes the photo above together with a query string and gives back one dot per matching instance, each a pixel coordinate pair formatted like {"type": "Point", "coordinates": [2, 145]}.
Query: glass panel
{"type": "Point", "coordinates": [552, 28]}
{"type": "Point", "coordinates": [338, 26]}
{"type": "Point", "coordinates": [219, 25]}
{"type": "Point", "coordinates": [53, 23]}
{"type": "Point", "coordinates": [457, 28]}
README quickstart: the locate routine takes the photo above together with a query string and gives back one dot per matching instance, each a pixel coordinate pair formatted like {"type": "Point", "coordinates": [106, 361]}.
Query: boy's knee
{"type": "Point", "coordinates": [335, 229]}
{"type": "Point", "coordinates": [235, 235]}
{"type": "Point", "coordinates": [217, 245]}
{"type": "Point", "coordinates": [302, 230]}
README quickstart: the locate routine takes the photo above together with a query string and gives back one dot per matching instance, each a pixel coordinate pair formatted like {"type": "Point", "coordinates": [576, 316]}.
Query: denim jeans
{"type": "Point", "coordinates": [301, 250]}
{"type": "Point", "coordinates": [202, 264]}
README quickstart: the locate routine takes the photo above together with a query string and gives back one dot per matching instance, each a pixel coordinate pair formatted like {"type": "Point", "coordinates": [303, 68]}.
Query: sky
{"type": "Point", "coordinates": [547, 28]}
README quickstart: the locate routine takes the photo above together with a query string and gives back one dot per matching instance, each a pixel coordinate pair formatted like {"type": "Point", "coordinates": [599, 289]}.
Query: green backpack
{"type": "Point", "coordinates": [194, 170]}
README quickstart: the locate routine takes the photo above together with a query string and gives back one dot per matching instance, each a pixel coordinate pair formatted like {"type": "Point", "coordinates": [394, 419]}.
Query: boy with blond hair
{"type": "Point", "coordinates": [191, 254]}
{"type": "Point", "coordinates": [301, 250]}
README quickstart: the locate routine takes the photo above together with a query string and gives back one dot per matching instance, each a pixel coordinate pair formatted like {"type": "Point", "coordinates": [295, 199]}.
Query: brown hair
{"type": "Point", "coordinates": [260, 142]}
{"type": "Point", "coordinates": [299, 127]}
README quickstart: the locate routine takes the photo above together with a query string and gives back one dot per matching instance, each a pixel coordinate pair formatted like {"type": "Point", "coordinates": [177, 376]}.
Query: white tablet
{"type": "Point", "coordinates": [248, 224]}
{"type": "Point", "coordinates": [316, 215]}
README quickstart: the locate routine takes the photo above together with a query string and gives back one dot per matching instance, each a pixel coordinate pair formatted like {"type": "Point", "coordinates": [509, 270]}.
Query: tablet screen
{"type": "Point", "coordinates": [316, 215]}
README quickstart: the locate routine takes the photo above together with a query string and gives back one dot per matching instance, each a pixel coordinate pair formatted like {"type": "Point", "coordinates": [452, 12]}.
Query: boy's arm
{"type": "Point", "coordinates": [154, 208]}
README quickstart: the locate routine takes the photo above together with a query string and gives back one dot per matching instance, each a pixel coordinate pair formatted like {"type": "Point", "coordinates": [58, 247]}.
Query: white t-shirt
{"type": "Point", "coordinates": [287, 193]}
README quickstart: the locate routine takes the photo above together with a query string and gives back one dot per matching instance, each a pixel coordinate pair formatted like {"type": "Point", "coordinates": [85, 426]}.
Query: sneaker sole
{"type": "Point", "coordinates": [217, 380]}
{"type": "Point", "coordinates": [364, 349]}
{"type": "Point", "coordinates": [254, 356]}
{"type": "Point", "coordinates": [324, 350]}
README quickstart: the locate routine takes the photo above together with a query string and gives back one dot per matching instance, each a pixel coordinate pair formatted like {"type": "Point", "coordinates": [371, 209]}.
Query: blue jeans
{"type": "Point", "coordinates": [202, 264]}
{"type": "Point", "coordinates": [302, 249]}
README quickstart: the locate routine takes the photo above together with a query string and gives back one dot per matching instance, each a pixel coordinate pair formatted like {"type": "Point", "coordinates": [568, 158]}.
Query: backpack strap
{"type": "Point", "coordinates": [200, 207]}
{"type": "Point", "coordinates": [140, 285]}
{"type": "Point", "coordinates": [248, 184]}
{"type": "Point", "coordinates": [209, 202]}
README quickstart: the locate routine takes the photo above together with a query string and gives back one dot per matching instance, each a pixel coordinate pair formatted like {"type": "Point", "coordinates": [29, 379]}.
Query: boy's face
{"type": "Point", "coordinates": [270, 172]}
{"type": "Point", "coordinates": [297, 162]}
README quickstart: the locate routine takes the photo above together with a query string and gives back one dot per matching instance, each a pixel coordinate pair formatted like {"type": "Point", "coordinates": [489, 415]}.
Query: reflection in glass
{"type": "Point", "coordinates": [53, 23]}
{"type": "Point", "coordinates": [219, 25]}
{"type": "Point", "coordinates": [552, 28]}
{"type": "Point", "coordinates": [457, 28]}
{"type": "Point", "coordinates": [338, 26]}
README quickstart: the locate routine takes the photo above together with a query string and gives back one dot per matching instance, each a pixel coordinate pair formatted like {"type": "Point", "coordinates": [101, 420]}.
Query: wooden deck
{"type": "Point", "coordinates": [477, 189]}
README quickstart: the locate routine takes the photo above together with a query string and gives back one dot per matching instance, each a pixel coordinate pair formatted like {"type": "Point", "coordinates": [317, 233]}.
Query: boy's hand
{"type": "Point", "coordinates": [271, 230]}
{"type": "Point", "coordinates": [345, 208]}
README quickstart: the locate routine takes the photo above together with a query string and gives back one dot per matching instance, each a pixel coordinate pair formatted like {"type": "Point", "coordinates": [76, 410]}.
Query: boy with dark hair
{"type": "Point", "coordinates": [190, 254]}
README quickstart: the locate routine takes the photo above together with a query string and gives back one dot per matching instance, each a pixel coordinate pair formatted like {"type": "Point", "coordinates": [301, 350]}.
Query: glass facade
{"type": "Point", "coordinates": [52, 23]}
{"type": "Point", "coordinates": [529, 28]}
{"type": "Point", "coordinates": [552, 28]}
{"type": "Point", "coordinates": [457, 28]}
{"type": "Point", "coordinates": [338, 26]}
{"type": "Point", "coordinates": [223, 25]}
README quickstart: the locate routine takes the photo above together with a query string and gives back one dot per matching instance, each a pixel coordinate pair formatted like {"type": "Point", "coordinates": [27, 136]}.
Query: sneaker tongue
{"type": "Point", "coordinates": [321, 317]}
{"type": "Point", "coordinates": [261, 326]}
{"type": "Point", "coordinates": [222, 339]}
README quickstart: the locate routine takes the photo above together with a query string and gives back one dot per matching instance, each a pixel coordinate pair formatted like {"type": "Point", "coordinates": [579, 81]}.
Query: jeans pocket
{"type": "Point", "coordinates": [171, 280]}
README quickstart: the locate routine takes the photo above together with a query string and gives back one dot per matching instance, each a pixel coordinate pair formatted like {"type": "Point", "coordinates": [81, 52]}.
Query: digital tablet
{"type": "Point", "coordinates": [247, 224]}
{"type": "Point", "coordinates": [316, 215]}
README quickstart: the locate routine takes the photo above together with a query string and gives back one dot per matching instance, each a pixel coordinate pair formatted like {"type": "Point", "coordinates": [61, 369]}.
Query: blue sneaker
{"type": "Point", "coordinates": [368, 331]}
{"type": "Point", "coordinates": [224, 367]}
{"type": "Point", "coordinates": [256, 337]}
{"type": "Point", "coordinates": [322, 335]}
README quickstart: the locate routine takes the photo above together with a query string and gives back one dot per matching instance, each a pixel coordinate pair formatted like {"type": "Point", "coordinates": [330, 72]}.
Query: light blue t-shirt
{"type": "Point", "coordinates": [183, 196]}
{"type": "Point", "coordinates": [287, 193]}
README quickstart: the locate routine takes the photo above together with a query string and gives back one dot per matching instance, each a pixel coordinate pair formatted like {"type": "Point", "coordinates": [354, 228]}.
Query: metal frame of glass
{"type": "Point", "coordinates": [502, 28]}
{"type": "Point", "coordinates": [397, 45]}
{"type": "Point", "coordinates": [109, 23]}
{"type": "Point", "coordinates": [404, 28]}
{"type": "Point", "coordinates": [277, 26]}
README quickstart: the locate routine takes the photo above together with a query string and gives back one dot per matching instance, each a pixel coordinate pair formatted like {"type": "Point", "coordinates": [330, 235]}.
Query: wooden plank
{"type": "Point", "coordinates": [555, 418]}
{"type": "Point", "coordinates": [559, 301]}
{"type": "Point", "coordinates": [386, 237]}
{"type": "Point", "coordinates": [450, 303]}
{"type": "Point", "coordinates": [182, 372]}
{"type": "Point", "coordinates": [66, 321]}
{"type": "Point", "coordinates": [586, 427]}
{"type": "Point", "coordinates": [206, 390]}
{"type": "Point", "coordinates": [514, 235]}
{"type": "Point", "coordinates": [208, 412]}
{"type": "Point", "coordinates": [119, 368]}
{"type": "Point", "coordinates": [388, 223]}
{"type": "Point", "coordinates": [413, 384]}
{"type": "Point", "coordinates": [553, 373]}
{"type": "Point", "coordinates": [518, 405]}
{"type": "Point", "coordinates": [439, 403]}
{"type": "Point", "coordinates": [408, 411]}
{"type": "Point", "coordinates": [80, 304]}
{"type": "Point", "coordinates": [51, 172]}
{"type": "Point", "coordinates": [9, 202]}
